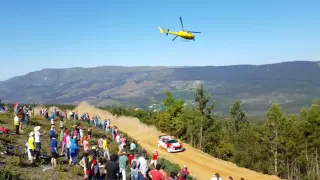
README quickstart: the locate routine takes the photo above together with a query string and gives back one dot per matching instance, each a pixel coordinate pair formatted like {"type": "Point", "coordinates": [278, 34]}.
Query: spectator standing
{"type": "Point", "coordinates": [134, 167]}
{"type": "Point", "coordinates": [54, 151]}
{"type": "Point", "coordinates": [154, 158]}
{"type": "Point", "coordinates": [155, 174]}
{"type": "Point", "coordinates": [216, 177]}
{"type": "Point", "coordinates": [143, 167]}
{"type": "Point", "coordinates": [184, 173]}
{"type": "Point", "coordinates": [123, 163]}
{"type": "Point", "coordinates": [31, 146]}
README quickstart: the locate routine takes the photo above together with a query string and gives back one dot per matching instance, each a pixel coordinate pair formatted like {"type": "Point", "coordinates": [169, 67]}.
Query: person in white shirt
{"type": "Point", "coordinates": [68, 146]}
{"type": "Point", "coordinates": [37, 137]}
{"type": "Point", "coordinates": [143, 169]}
{"type": "Point", "coordinates": [108, 125]}
{"type": "Point", "coordinates": [81, 135]}
{"type": "Point", "coordinates": [216, 177]}
{"type": "Point", "coordinates": [118, 139]}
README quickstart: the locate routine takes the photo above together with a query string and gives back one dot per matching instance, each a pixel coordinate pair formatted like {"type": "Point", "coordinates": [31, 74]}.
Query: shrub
{"type": "Point", "coordinates": [14, 161]}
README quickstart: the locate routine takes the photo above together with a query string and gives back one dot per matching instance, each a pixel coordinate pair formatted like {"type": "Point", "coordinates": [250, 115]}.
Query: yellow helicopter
{"type": "Point", "coordinates": [183, 34]}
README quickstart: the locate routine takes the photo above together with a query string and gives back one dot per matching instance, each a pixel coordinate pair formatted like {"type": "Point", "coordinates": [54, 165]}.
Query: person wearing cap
{"type": "Point", "coordinates": [37, 139]}
{"type": "Point", "coordinates": [216, 177]}
{"type": "Point", "coordinates": [31, 145]}
{"type": "Point", "coordinates": [54, 150]}
{"type": "Point", "coordinates": [123, 163]}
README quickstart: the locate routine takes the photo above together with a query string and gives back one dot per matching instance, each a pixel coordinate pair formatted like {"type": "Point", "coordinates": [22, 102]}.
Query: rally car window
{"type": "Point", "coordinates": [172, 141]}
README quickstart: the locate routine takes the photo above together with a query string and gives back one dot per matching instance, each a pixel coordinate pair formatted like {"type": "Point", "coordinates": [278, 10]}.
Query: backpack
{"type": "Point", "coordinates": [87, 162]}
{"type": "Point", "coordinates": [95, 168]}
{"type": "Point", "coordinates": [3, 130]}
{"type": "Point", "coordinates": [183, 174]}
{"type": "Point", "coordinates": [134, 164]}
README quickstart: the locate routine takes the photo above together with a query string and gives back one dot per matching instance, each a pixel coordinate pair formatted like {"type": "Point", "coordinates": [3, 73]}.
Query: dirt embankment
{"type": "Point", "coordinates": [201, 165]}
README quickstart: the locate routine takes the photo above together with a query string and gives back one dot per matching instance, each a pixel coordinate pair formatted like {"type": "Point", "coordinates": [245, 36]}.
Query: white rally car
{"type": "Point", "coordinates": [170, 144]}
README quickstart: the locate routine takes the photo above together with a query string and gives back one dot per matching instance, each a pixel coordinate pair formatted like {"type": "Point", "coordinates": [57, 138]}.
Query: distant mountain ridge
{"type": "Point", "coordinates": [291, 84]}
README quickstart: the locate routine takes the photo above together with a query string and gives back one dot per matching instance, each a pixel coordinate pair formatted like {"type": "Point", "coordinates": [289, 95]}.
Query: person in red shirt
{"type": "Point", "coordinates": [154, 158]}
{"type": "Point", "coordinates": [131, 156]}
{"type": "Point", "coordinates": [184, 173]}
{"type": "Point", "coordinates": [155, 174]}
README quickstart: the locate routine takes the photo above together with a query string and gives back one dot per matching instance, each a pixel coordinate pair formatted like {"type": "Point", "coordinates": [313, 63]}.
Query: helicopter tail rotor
{"type": "Point", "coordinates": [161, 30]}
{"type": "Point", "coordinates": [167, 32]}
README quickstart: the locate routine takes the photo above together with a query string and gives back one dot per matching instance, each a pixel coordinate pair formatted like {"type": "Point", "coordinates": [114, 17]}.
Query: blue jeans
{"type": "Point", "coordinates": [74, 159]}
{"type": "Point", "coordinates": [140, 177]}
{"type": "Point", "coordinates": [26, 118]}
{"type": "Point", "coordinates": [38, 145]}
{"type": "Point", "coordinates": [67, 153]}
{"type": "Point", "coordinates": [134, 175]}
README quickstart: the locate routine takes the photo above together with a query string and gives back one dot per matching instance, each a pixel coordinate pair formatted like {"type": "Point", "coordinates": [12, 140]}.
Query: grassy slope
{"type": "Point", "coordinates": [21, 168]}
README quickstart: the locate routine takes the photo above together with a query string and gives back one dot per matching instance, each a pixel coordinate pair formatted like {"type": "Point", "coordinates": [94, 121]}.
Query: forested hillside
{"type": "Point", "coordinates": [285, 144]}
{"type": "Point", "coordinates": [291, 85]}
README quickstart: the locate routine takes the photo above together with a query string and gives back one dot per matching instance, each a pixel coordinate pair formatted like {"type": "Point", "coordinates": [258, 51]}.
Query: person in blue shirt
{"type": "Point", "coordinates": [133, 146]}
{"type": "Point", "coordinates": [52, 132]}
{"type": "Point", "coordinates": [103, 123]}
{"type": "Point", "coordinates": [53, 115]}
{"type": "Point", "coordinates": [112, 133]}
{"type": "Point", "coordinates": [74, 151]}
{"type": "Point", "coordinates": [54, 150]}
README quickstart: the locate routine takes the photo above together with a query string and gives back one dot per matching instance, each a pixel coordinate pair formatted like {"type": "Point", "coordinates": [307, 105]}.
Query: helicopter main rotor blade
{"type": "Point", "coordinates": [194, 32]}
{"type": "Point", "coordinates": [181, 23]}
{"type": "Point", "coordinates": [174, 38]}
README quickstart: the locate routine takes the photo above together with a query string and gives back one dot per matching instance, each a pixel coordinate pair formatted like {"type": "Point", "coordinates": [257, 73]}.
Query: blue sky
{"type": "Point", "coordinates": [38, 34]}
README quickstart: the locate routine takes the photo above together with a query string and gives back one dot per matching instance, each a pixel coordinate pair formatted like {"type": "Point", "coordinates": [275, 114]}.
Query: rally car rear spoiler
{"type": "Point", "coordinates": [161, 136]}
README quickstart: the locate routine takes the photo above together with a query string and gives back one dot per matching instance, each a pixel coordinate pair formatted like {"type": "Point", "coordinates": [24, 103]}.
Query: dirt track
{"type": "Point", "coordinates": [201, 165]}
